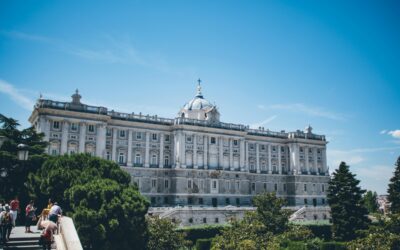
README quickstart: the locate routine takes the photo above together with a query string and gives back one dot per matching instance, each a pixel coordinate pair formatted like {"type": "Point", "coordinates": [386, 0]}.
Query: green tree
{"type": "Point", "coordinates": [108, 215]}
{"type": "Point", "coordinates": [270, 212]}
{"type": "Point", "coordinates": [58, 174]}
{"type": "Point", "coordinates": [13, 172]}
{"type": "Point", "coordinates": [257, 228]}
{"type": "Point", "coordinates": [394, 189]}
{"type": "Point", "coordinates": [370, 201]}
{"type": "Point", "coordinates": [345, 199]}
{"type": "Point", "coordinates": [163, 234]}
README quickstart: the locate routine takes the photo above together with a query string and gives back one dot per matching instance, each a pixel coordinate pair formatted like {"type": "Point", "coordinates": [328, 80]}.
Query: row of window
{"type": "Point", "coordinates": [73, 126]}
{"type": "Point", "coordinates": [139, 135]}
{"type": "Point", "coordinates": [138, 159]}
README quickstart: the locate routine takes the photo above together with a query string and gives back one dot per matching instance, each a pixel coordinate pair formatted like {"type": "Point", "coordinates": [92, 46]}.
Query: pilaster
{"type": "Point", "coordinates": [64, 137]}
{"type": "Point", "coordinates": [258, 157]}
{"type": "Point", "coordinates": [269, 159]}
{"type": "Point", "coordinates": [147, 151]}
{"type": "Point", "coordinates": [195, 151]}
{"type": "Point", "coordinates": [114, 145]}
{"type": "Point", "coordinates": [129, 162]}
{"type": "Point", "coordinates": [231, 154]}
{"type": "Point", "coordinates": [82, 137]}
{"type": "Point", "coordinates": [205, 153]}
{"type": "Point", "coordinates": [101, 140]}
{"type": "Point", "coordinates": [279, 159]}
{"type": "Point", "coordinates": [161, 158]}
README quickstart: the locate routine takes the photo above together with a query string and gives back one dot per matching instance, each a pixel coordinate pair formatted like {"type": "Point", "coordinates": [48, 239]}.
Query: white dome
{"type": "Point", "coordinates": [198, 103]}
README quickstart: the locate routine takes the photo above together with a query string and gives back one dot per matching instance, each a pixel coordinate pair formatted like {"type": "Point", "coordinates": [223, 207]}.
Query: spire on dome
{"type": "Point", "coordinates": [199, 94]}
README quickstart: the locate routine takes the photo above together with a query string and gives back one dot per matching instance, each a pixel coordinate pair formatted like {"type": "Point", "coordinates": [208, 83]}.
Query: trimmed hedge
{"type": "Point", "coordinates": [203, 244]}
{"type": "Point", "coordinates": [201, 232]}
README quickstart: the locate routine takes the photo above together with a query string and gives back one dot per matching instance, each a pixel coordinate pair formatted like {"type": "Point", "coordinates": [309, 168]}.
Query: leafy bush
{"type": "Point", "coordinates": [203, 244]}
{"type": "Point", "coordinates": [202, 232]}
{"type": "Point", "coordinates": [321, 231]}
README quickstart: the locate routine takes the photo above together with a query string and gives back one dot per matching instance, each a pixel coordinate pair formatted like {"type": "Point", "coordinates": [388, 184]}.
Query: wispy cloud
{"type": "Point", "coordinates": [263, 123]}
{"type": "Point", "coordinates": [16, 95]}
{"type": "Point", "coordinates": [26, 36]}
{"type": "Point", "coordinates": [395, 133]}
{"type": "Point", "coordinates": [108, 49]}
{"type": "Point", "coordinates": [354, 156]}
{"type": "Point", "coordinates": [383, 132]}
{"type": "Point", "coordinates": [304, 109]}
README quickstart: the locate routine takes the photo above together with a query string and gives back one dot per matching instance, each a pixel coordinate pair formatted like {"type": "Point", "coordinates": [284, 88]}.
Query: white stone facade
{"type": "Point", "coordinates": [193, 159]}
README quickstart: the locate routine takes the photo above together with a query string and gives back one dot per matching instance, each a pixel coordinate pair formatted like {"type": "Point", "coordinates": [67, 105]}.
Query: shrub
{"type": "Point", "coordinates": [203, 232]}
{"type": "Point", "coordinates": [321, 231]}
{"type": "Point", "coordinates": [203, 244]}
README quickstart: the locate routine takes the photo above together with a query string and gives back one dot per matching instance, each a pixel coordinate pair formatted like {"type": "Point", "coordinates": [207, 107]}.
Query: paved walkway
{"type": "Point", "coordinates": [21, 240]}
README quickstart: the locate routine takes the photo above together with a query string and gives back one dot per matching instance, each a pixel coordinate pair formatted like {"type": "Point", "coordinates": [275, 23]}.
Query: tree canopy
{"type": "Point", "coordinates": [345, 199]}
{"type": "Point", "coordinates": [108, 211]}
{"type": "Point", "coordinates": [394, 189]}
{"type": "Point", "coordinates": [13, 172]}
{"type": "Point", "coordinates": [371, 202]}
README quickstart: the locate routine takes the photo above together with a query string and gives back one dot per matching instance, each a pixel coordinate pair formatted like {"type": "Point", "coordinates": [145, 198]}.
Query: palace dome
{"type": "Point", "coordinates": [199, 108]}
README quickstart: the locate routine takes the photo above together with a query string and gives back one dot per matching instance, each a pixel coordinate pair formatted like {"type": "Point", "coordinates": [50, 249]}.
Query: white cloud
{"type": "Point", "coordinates": [383, 132]}
{"type": "Point", "coordinates": [353, 156]}
{"type": "Point", "coordinates": [304, 109]}
{"type": "Point", "coordinates": [395, 133]}
{"type": "Point", "coordinates": [16, 95]}
{"type": "Point", "coordinates": [263, 123]}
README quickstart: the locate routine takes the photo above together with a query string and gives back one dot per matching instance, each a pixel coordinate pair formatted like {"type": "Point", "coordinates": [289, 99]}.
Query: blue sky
{"type": "Point", "coordinates": [278, 64]}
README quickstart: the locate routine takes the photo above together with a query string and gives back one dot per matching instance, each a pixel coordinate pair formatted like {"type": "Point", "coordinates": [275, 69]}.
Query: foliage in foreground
{"type": "Point", "coordinates": [163, 234]}
{"type": "Point", "coordinates": [394, 189]}
{"type": "Point", "coordinates": [14, 172]}
{"type": "Point", "coordinates": [266, 228]}
{"type": "Point", "coordinates": [109, 213]}
{"type": "Point", "coordinates": [349, 214]}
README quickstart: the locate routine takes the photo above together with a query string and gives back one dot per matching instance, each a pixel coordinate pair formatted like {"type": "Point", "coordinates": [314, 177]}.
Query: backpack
{"type": "Point", "coordinates": [6, 219]}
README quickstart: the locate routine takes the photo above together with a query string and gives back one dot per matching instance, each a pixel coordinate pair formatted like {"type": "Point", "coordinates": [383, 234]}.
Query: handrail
{"type": "Point", "coordinates": [69, 235]}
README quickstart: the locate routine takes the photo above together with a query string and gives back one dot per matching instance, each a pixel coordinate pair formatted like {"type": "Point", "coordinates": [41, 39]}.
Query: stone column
{"type": "Point", "coordinates": [183, 149]}
{"type": "Point", "coordinates": [82, 137]}
{"type": "Point", "coordinates": [161, 158]}
{"type": "Point", "coordinates": [306, 160]}
{"type": "Point", "coordinates": [269, 159]}
{"type": "Point", "coordinates": [195, 151]}
{"type": "Point", "coordinates": [315, 159]}
{"type": "Point", "coordinates": [258, 157]}
{"type": "Point", "coordinates": [175, 156]}
{"type": "Point", "coordinates": [231, 154]}
{"type": "Point", "coordinates": [129, 162]}
{"type": "Point", "coordinates": [279, 159]}
{"type": "Point", "coordinates": [324, 163]}
{"type": "Point", "coordinates": [221, 152]}
{"type": "Point", "coordinates": [44, 127]}
{"type": "Point", "coordinates": [247, 157]}
{"type": "Point", "coordinates": [147, 151]}
{"type": "Point", "coordinates": [101, 140]}
{"type": "Point", "coordinates": [242, 156]}
{"type": "Point", "coordinates": [64, 137]}
{"type": "Point", "coordinates": [205, 152]}
{"type": "Point", "coordinates": [297, 158]}
{"type": "Point", "coordinates": [114, 145]}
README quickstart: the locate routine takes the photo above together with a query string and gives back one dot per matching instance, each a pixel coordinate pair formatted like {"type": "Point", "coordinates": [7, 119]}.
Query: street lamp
{"type": "Point", "coordinates": [22, 152]}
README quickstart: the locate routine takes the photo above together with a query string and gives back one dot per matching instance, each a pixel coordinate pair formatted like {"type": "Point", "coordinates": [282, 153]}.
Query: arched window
{"type": "Point", "coordinates": [138, 159]}
{"type": "Point", "coordinates": [166, 160]}
{"type": "Point", "coordinates": [154, 159]}
{"type": "Point", "coordinates": [121, 158]}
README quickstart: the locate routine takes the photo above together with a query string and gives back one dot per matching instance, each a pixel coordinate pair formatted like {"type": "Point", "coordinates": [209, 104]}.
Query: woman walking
{"type": "Point", "coordinates": [30, 216]}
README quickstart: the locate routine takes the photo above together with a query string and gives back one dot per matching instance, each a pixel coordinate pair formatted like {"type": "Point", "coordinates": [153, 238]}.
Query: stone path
{"type": "Point", "coordinates": [21, 240]}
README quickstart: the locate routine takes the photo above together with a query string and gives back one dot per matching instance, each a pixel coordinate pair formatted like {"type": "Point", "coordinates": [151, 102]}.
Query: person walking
{"type": "Point", "coordinates": [14, 204]}
{"type": "Point", "coordinates": [30, 216]}
{"type": "Point", "coordinates": [6, 224]}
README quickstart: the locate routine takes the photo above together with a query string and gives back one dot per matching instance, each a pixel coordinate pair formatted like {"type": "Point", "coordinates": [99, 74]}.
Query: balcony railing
{"type": "Point", "coordinates": [177, 121]}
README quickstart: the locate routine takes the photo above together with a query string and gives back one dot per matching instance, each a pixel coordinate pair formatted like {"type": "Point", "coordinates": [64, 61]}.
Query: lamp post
{"type": "Point", "coordinates": [23, 152]}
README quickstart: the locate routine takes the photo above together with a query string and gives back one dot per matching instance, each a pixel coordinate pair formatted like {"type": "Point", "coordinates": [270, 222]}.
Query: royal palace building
{"type": "Point", "coordinates": [194, 162]}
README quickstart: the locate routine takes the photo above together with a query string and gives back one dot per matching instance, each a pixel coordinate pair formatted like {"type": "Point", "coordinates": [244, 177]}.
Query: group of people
{"type": "Point", "coordinates": [47, 220]}
{"type": "Point", "coordinates": [8, 216]}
